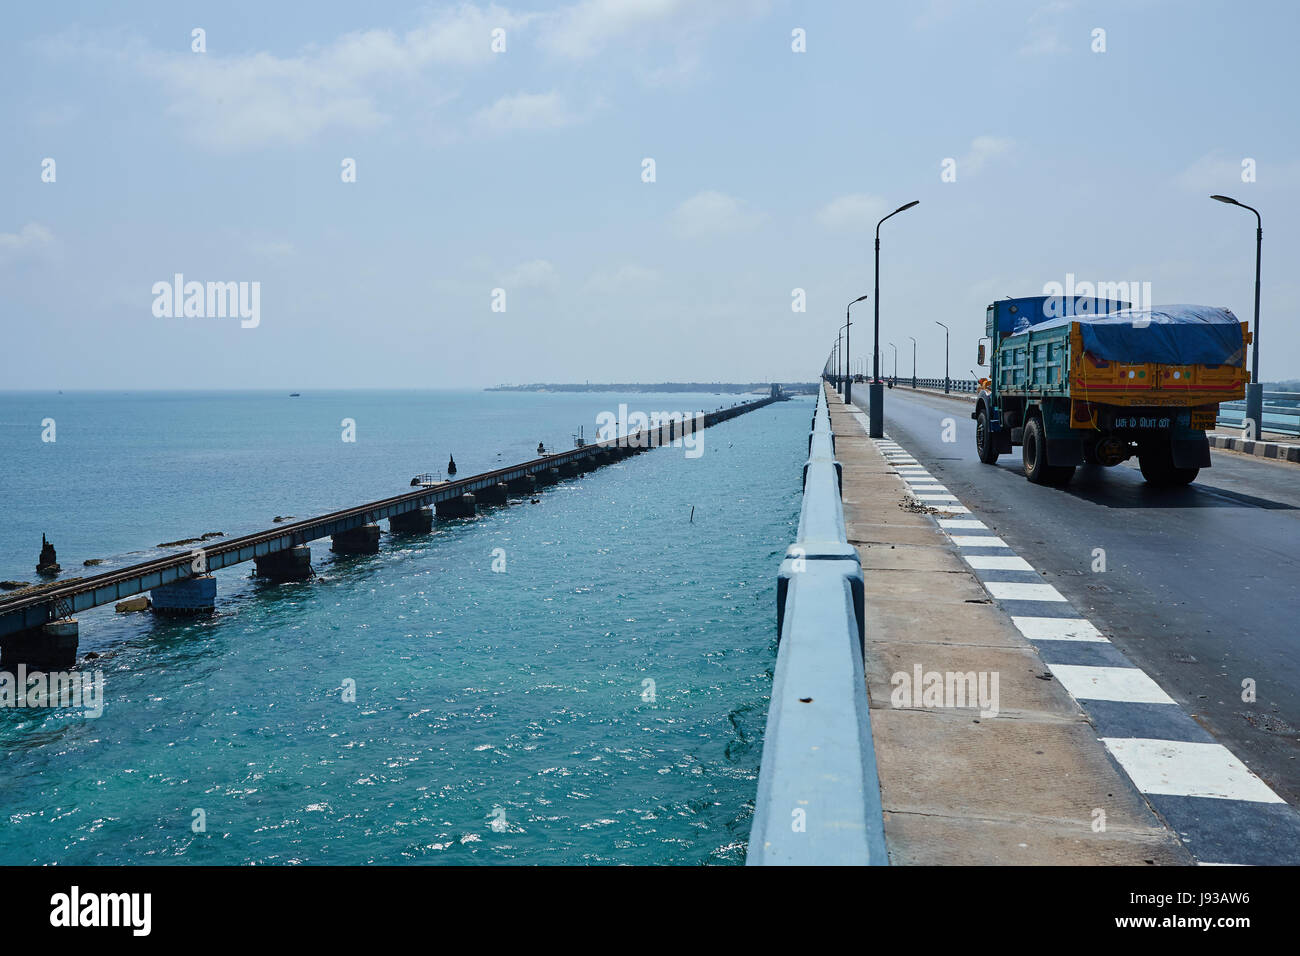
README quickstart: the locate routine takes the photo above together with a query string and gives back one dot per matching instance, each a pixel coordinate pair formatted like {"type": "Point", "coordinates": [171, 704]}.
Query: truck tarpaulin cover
{"type": "Point", "coordinates": [1164, 334]}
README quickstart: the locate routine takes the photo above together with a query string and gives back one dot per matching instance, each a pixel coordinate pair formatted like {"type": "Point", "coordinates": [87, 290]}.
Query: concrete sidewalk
{"type": "Point", "coordinates": [1023, 786]}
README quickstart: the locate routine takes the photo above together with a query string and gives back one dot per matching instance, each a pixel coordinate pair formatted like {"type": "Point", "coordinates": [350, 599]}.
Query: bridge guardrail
{"type": "Point", "coordinates": [818, 800]}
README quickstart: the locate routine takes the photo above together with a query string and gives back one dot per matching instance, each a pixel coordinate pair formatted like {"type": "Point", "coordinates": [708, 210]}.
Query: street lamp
{"type": "Point", "coordinates": [895, 348]}
{"type": "Point", "coordinates": [913, 361]}
{"type": "Point", "coordinates": [848, 372]}
{"type": "Point", "coordinates": [876, 393]}
{"type": "Point", "coordinates": [946, 384]}
{"type": "Point", "coordinates": [1255, 390]}
{"type": "Point", "coordinates": [848, 392]}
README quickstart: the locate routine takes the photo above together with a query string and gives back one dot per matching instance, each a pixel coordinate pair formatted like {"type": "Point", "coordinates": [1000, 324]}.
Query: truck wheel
{"type": "Point", "coordinates": [984, 446]}
{"type": "Point", "coordinates": [1034, 448]}
{"type": "Point", "coordinates": [1157, 465]}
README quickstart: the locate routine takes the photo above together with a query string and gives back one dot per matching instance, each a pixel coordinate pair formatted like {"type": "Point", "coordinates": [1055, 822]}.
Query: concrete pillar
{"type": "Point", "coordinates": [288, 564]}
{"type": "Point", "coordinates": [569, 469]}
{"type": "Point", "coordinates": [462, 507]}
{"type": "Point", "coordinates": [547, 476]}
{"type": "Point", "coordinates": [197, 595]}
{"type": "Point", "coordinates": [492, 494]}
{"type": "Point", "coordinates": [586, 463]}
{"type": "Point", "coordinates": [419, 521]}
{"type": "Point", "coordinates": [50, 647]}
{"type": "Point", "coordinates": [362, 540]}
{"type": "Point", "coordinates": [523, 485]}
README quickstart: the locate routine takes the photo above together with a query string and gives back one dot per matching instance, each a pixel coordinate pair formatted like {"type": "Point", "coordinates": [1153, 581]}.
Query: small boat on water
{"type": "Point", "coordinates": [294, 395]}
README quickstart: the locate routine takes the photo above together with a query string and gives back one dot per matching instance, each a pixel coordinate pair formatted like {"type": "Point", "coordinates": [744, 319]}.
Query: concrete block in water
{"type": "Point", "coordinates": [523, 485]}
{"type": "Point", "coordinates": [49, 647]}
{"type": "Point", "coordinates": [197, 595]}
{"type": "Point", "coordinates": [288, 564]}
{"type": "Point", "coordinates": [459, 507]}
{"type": "Point", "coordinates": [419, 521]}
{"type": "Point", "coordinates": [362, 540]}
{"type": "Point", "coordinates": [492, 494]}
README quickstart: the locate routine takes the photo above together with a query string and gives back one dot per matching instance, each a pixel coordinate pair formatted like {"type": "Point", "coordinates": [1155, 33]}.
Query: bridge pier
{"type": "Point", "coordinates": [569, 469]}
{"type": "Point", "coordinates": [492, 494]}
{"type": "Point", "coordinates": [523, 485]}
{"type": "Point", "coordinates": [585, 464]}
{"type": "Point", "coordinates": [362, 540]}
{"type": "Point", "coordinates": [196, 595]}
{"type": "Point", "coordinates": [50, 647]}
{"type": "Point", "coordinates": [547, 476]}
{"type": "Point", "coordinates": [462, 507]}
{"type": "Point", "coordinates": [288, 564]}
{"type": "Point", "coordinates": [419, 521]}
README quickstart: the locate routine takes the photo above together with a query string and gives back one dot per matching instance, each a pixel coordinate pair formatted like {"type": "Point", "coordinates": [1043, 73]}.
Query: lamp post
{"type": "Point", "coordinates": [876, 391]}
{"type": "Point", "coordinates": [946, 383]}
{"type": "Point", "coordinates": [848, 392]}
{"type": "Point", "coordinates": [895, 348]}
{"type": "Point", "coordinates": [848, 374]}
{"type": "Point", "coordinates": [1255, 390]}
{"type": "Point", "coordinates": [913, 361]}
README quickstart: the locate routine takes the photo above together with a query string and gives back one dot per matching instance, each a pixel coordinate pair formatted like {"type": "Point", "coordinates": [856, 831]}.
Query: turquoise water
{"type": "Point", "coordinates": [499, 717]}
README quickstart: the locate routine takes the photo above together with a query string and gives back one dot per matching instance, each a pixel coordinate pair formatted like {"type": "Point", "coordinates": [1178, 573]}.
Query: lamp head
{"type": "Point", "coordinates": [1228, 199]}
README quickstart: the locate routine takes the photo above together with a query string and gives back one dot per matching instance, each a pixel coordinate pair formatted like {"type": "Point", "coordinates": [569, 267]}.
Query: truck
{"type": "Point", "coordinates": [1091, 381]}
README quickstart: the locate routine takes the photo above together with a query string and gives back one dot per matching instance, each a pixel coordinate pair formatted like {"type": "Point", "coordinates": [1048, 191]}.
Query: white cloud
{"type": "Point", "coordinates": [534, 273]}
{"type": "Point", "coordinates": [852, 211]}
{"type": "Point", "coordinates": [713, 213]}
{"type": "Point", "coordinates": [526, 111]}
{"type": "Point", "coordinates": [620, 280]}
{"type": "Point", "coordinates": [982, 149]}
{"type": "Point", "coordinates": [1220, 172]}
{"type": "Point", "coordinates": [584, 29]}
{"type": "Point", "coordinates": [1046, 30]}
{"type": "Point", "coordinates": [251, 99]}
{"type": "Point", "coordinates": [32, 237]}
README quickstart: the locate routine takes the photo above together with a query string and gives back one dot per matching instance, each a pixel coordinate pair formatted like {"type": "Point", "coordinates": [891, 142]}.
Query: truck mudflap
{"type": "Point", "coordinates": [1191, 451]}
{"type": "Point", "coordinates": [1064, 451]}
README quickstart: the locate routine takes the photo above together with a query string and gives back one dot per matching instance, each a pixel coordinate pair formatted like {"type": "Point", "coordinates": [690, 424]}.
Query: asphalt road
{"type": "Point", "coordinates": [1202, 583]}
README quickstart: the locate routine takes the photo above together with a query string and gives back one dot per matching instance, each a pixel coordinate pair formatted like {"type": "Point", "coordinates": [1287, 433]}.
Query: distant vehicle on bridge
{"type": "Point", "coordinates": [1091, 381]}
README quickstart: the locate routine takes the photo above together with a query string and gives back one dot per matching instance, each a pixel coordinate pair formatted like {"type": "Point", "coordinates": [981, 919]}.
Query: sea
{"type": "Point", "coordinates": [580, 678]}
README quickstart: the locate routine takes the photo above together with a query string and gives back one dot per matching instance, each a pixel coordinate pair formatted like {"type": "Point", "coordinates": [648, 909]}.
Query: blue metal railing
{"type": "Point", "coordinates": [1281, 413]}
{"type": "Point", "coordinates": [818, 799]}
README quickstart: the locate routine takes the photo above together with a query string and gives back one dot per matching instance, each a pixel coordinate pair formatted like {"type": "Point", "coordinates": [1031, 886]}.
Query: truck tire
{"type": "Point", "coordinates": [1157, 465]}
{"type": "Point", "coordinates": [984, 445]}
{"type": "Point", "coordinates": [1034, 449]}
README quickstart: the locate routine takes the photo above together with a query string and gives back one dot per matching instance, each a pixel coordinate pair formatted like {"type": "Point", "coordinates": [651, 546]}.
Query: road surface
{"type": "Point", "coordinates": [1201, 586]}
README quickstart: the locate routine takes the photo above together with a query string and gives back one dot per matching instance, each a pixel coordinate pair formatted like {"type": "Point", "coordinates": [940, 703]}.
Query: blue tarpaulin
{"type": "Point", "coordinates": [1166, 334]}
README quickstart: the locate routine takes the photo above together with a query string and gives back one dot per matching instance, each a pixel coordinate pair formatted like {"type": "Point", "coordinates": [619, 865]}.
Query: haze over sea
{"type": "Point", "coordinates": [602, 700]}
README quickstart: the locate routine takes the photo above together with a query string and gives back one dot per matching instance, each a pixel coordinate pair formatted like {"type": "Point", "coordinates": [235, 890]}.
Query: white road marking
{"type": "Point", "coordinates": [963, 524]}
{"type": "Point", "coordinates": [1185, 769]}
{"type": "Point", "coordinates": [935, 497]}
{"type": "Point", "coordinates": [978, 541]}
{"type": "Point", "coordinates": [952, 509]}
{"type": "Point", "coordinates": [1128, 684]}
{"type": "Point", "coordinates": [1058, 629]}
{"type": "Point", "coordinates": [997, 562]}
{"type": "Point", "coordinates": [1016, 591]}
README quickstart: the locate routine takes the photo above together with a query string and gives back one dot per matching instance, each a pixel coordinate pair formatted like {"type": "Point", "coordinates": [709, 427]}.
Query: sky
{"type": "Point", "coordinates": [502, 225]}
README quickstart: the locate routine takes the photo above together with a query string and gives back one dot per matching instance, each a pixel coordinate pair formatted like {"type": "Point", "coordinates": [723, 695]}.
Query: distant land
{"type": "Point", "coordinates": [717, 387]}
